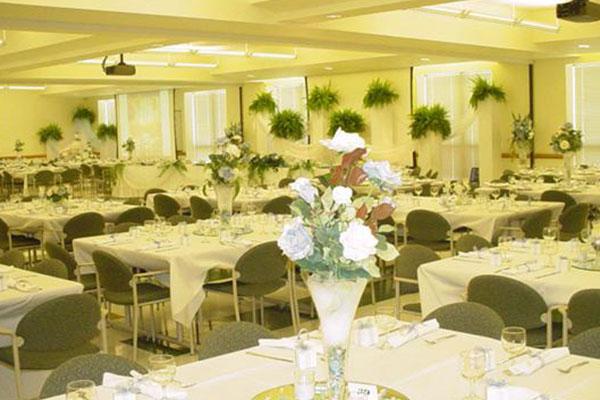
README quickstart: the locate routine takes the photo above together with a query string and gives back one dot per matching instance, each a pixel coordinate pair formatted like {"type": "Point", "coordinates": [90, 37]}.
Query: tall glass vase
{"type": "Point", "coordinates": [568, 159]}
{"type": "Point", "coordinates": [225, 195]}
{"type": "Point", "coordinates": [336, 301]}
{"type": "Point", "coordinates": [523, 156]}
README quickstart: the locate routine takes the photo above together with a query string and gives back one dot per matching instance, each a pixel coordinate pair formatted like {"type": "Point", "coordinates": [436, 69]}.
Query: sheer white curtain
{"type": "Point", "coordinates": [290, 94]}
{"type": "Point", "coordinates": [452, 90]}
{"type": "Point", "coordinates": [205, 122]}
{"type": "Point", "coordinates": [583, 106]}
{"type": "Point", "coordinates": [107, 112]}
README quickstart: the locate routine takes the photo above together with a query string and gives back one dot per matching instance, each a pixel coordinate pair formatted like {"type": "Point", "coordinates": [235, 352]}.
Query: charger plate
{"type": "Point", "coordinates": [286, 392]}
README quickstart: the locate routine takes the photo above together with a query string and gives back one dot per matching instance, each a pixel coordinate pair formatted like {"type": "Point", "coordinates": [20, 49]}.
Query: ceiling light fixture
{"type": "Point", "coordinates": [195, 65]}
{"type": "Point", "coordinates": [584, 46]}
{"type": "Point", "coordinates": [136, 63]}
{"type": "Point", "coordinates": [26, 87]}
{"type": "Point", "coordinates": [235, 53]}
{"type": "Point", "coordinates": [273, 55]}
{"type": "Point", "coordinates": [328, 68]}
{"type": "Point", "coordinates": [333, 16]}
{"type": "Point", "coordinates": [425, 59]}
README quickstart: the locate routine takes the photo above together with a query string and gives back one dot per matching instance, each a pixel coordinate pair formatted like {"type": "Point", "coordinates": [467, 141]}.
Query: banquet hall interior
{"type": "Point", "coordinates": [300, 199]}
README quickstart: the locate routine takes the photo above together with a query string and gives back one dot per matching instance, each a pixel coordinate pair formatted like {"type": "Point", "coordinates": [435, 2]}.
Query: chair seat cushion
{"type": "Point", "coordinates": [537, 337]}
{"type": "Point", "coordinates": [412, 307]}
{"type": "Point", "coordinates": [25, 241]}
{"type": "Point", "coordinates": [435, 246]}
{"type": "Point", "coordinates": [147, 292]}
{"type": "Point", "coordinates": [249, 289]}
{"type": "Point", "coordinates": [45, 359]}
{"type": "Point", "coordinates": [88, 281]}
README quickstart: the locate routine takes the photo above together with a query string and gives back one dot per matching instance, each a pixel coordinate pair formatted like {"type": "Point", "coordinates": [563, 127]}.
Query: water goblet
{"type": "Point", "coordinates": [473, 366]}
{"type": "Point", "coordinates": [81, 390]}
{"type": "Point", "coordinates": [514, 340]}
{"type": "Point", "coordinates": [435, 190]}
{"type": "Point", "coordinates": [162, 370]}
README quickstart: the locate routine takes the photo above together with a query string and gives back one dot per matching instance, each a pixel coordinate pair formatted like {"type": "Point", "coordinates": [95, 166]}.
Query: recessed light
{"type": "Point", "coordinates": [26, 87]}
{"type": "Point", "coordinates": [273, 55]}
{"type": "Point", "coordinates": [584, 46]}
{"type": "Point", "coordinates": [333, 16]}
{"type": "Point", "coordinates": [328, 68]}
{"type": "Point", "coordinates": [250, 76]}
{"type": "Point", "coordinates": [425, 59]}
{"type": "Point", "coordinates": [195, 65]}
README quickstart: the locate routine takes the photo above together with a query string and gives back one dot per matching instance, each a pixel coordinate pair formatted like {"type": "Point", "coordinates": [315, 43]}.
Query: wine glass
{"type": "Point", "coordinates": [81, 390]}
{"type": "Point", "coordinates": [473, 363]}
{"type": "Point", "coordinates": [550, 233]}
{"type": "Point", "coordinates": [162, 370]}
{"type": "Point", "coordinates": [514, 340]}
{"type": "Point", "coordinates": [496, 194]}
{"type": "Point", "coordinates": [418, 190]}
{"type": "Point", "coordinates": [435, 190]}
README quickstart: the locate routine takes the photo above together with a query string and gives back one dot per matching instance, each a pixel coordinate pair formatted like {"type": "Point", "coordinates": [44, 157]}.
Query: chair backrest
{"type": "Point", "coordinates": [51, 267]}
{"type": "Point", "coordinates": [177, 218]}
{"type": "Point", "coordinates": [14, 258]}
{"type": "Point", "coordinates": [549, 178]}
{"type": "Point", "coordinates": [584, 312]}
{"type": "Point", "coordinates": [232, 336]}
{"type": "Point", "coordinates": [201, 209]}
{"type": "Point", "coordinates": [533, 226]}
{"type": "Point", "coordinates": [86, 171]}
{"type": "Point", "coordinates": [84, 225]}
{"type": "Point", "coordinates": [262, 263]}
{"type": "Point", "coordinates": [426, 192]}
{"type": "Point", "coordinates": [558, 196]}
{"type": "Point", "coordinates": [517, 303]}
{"type": "Point", "coordinates": [59, 253]}
{"type": "Point", "coordinates": [573, 220]}
{"type": "Point", "coordinates": [153, 191]}
{"type": "Point", "coordinates": [427, 226]}
{"type": "Point", "coordinates": [44, 178]}
{"type": "Point", "coordinates": [410, 258]}
{"type": "Point", "coordinates": [470, 242]}
{"type": "Point", "coordinates": [60, 324]}
{"type": "Point", "coordinates": [586, 343]}
{"type": "Point", "coordinates": [278, 205]}
{"type": "Point", "coordinates": [71, 175]}
{"type": "Point", "coordinates": [89, 367]}
{"type": "Point", "coordinates": [136, 214]}
{"type": "Point", "coordinates": [284, 183]}
{"type": "Point", "coordinates": [474, 176]}
{"type": "Point", "coordinates": [4, 244]}
{"type": "Point", "coordinates": [472, 318]}
{"type": "Point", "coordinates": [165, 206]}
{"type": "Point", "coordinates": [124, 227]}
{"type": "Point", "coordinates": [113, 274]}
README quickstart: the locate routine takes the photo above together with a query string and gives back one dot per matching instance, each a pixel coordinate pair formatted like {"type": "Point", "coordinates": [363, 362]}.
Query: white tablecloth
{"type": "Point", "coordinates": [445, 281]}
{"type": "Point", "coordinates": [135, 179]}
{"type": "Point", "coordinates": [583, 194]}
{"type": "Point", "coordinates": [484, 219]}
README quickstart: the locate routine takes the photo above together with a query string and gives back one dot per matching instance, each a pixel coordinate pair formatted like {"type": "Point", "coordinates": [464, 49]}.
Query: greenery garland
{"type": "Point", "coordinates": [304, 165]}
{"type": "Point", "coordinates": [84, 113]}
{"type": "Point", "coordinates": [380, 93]}
{"type": "Point", "coordinates": [128, 146]}
{"type": "Point", "coordinates": [263, 102]}
{"type": "Point", "coordinates": [51, 132]}
{"type": "Point", "coordinates": [259, 165]}
{"type": "Point", "coordinates": [323, 98]}
{"type": "Point", "coordinates": [433, 119]}
{"type": "Point", "coordinates": [482, 90]}
{"type": "Point", "coordinates": [106, 132]}
{"type": "Point", "coordinates": [287, 124]}
{"type": "Point", "coordinates": [177, 165]}
{"type": "Point", "coordinates": [347, 119]}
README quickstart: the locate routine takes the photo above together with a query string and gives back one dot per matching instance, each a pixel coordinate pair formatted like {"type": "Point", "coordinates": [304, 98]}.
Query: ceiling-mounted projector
{"type": "Point", "coordinates": [120, 69]}
{"type": "Point", "coordinates": [578, 11]}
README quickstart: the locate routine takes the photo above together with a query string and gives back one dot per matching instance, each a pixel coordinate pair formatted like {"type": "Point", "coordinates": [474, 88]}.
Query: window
{"type": "Point", "coordinates": [205, 122]}
{"type": "Point", "coordinates": [289, 94]}
{"type": "Point", "coordinates": [583, 106]}
{"type": "Point", "coordinates": [107, 112]}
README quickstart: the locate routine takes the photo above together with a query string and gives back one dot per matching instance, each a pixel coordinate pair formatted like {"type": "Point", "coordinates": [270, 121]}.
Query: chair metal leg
{"type": "Point", "coordinates": [397, 298]}
{"type": "Point", "coordinates": [153, 323]}
{"type": "Point", "coordinates": [17, 369]}
{"type": "Point", "coordinates": [253, 310]}
{"type": "Point", "coordinates": [135, 331]}
{"type": "Point", "coordinates": [262, 311]}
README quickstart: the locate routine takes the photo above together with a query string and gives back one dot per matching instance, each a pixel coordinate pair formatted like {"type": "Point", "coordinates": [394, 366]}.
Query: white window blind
{"type": "Point", "coordinates": [206, 119]}
{"type": "Point", "coordinates": [289, 94]}
{"type": "Point", "coordinates": [107, 112]}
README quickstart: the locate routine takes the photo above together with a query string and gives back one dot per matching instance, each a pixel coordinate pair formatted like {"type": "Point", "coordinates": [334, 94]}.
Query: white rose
{"type": "Point", "coordinates": [358, 242]}
{"type": "Point", "coordinates": [295, 241]}
{"type": "Point", "coordinates": [342, 195]}
{"type": "Point", "coordinates": [564, 145]}
{"type": "Point", "coordinates": [305, 189]}
{"type": "Point", "coordinates": [381, 173]}
{"type": "Point", "coordinates": [344, 142]}
{"type": "Point", "coordinates": [388, 200]}
{"type": "Point", "coordinates": [233, 150]}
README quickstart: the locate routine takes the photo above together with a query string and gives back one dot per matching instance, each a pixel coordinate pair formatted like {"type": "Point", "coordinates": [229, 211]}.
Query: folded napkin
{"type": "Point", "coordinates": [398, 339]}
{"type": "Point", "coordinates": [161, 245]}
{"type": "Point", "coordinates": [289, 343]}
{"type": "Point", "coordinates": [501, 391]}
{"type": "Point", "coordinates": [533, 363]}
{"type": "Point", "coordinates": [524, 268]}
{"type": "Point", "coordinates": [146, 387]}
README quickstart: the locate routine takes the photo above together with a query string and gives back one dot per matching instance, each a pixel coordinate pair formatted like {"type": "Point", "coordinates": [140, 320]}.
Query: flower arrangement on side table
{"type": "Point", "coordinates": [335, 238]}
{"type": "Point", "coordinates": [259, 165]}
{"type": "Point", "coordinates": [57, 193]}
{"type": "Point", "coordinates": [567, 141]}
{"type": "Point", "coordinates": [19, 147]}
{"type": "Point", "coordinates": [129, 147]}
{"type": "Point", "coordinates": [522, 137]}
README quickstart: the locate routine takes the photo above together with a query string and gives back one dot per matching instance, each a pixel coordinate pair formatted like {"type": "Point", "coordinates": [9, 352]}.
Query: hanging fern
{"type": "Point", "coordinates": [83, 113]}
{"type": "Point", "coordinates": [263, 102]}
{"type": "Point", "coordinates": [482, 90]}
{"type": "Point", "coordinates": [379, 94]}
{"type": "Point", "coordinates": [347, 119]}
{"type": "Point", "coordinates": [50, 132]}
{"type": "Point", "coordinates": [287, 124]}
{"type": "Point", "coordinates": [323, 98]}
{"type": "Point", "coordinates": [432, 119]}
{"type": "Point", "coordinates": [106, 132]}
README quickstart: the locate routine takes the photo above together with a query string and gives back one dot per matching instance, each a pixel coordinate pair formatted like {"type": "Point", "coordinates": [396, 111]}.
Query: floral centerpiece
{"type": "Point", "coordinates": [335, 238]}
{"type": "Point", "coordinates": [259, 165]}
{"type": "Point", "coordinates": [129, 147]}
{"type": "Point", "coordinates": [19, 147]}
{"type": "Point", "coordinates": [522, 137]}
{"type": "Point", "coordinates": [57, 193]}
{"type": "Point", "coordinates": [567, 141]}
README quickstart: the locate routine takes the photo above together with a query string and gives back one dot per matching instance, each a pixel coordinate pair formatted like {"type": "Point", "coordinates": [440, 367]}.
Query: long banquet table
{"type": "Point", "coordinates": [581, 193]}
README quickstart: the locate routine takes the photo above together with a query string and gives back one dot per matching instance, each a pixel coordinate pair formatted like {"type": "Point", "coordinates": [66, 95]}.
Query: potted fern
{"type": "Point", "coordinates": [321, 100]}
{"type": "Point", "coordinates": [430, 126]}
{"type": "Point", "coordinates": [106, 132]}
{"type": "Point", "coordinates": [287, 124]}
{"type": "Point", "coordinates": [484, 90]}
{"type": "Point", "coordinates": [83, 113]}
{"type": "Point", "coordinates": [50, 135]}
{"type": "Point", "coordinates": [378, 99]}
{"type": "Point", "coordinates": [348, 120]}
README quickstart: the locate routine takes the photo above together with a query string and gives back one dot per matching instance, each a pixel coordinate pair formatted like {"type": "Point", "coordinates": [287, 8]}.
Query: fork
{"type": "Point", "coordinates": [438, 339]}
{"type": "Point", "coordinates": [567, 370]}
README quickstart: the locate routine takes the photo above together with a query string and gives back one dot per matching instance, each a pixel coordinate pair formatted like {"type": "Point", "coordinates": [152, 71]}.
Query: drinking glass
{"type": "Point", "coordinates": [473, 363]}
{"type": "Point", "coordinates": [585, 235]}
{"type": "Point", "coordinates": [550, 233]}
{"type": "Point", "coordinates": [504, 242]}
{"type": "Point", "coordinates": [435, 190]}
{"type": "Point", "coordinates": [496, 194]}
{"type": "Point", "coordinates": [418, 190]}
{"type": "Point", "coordinates": [162, 370]}
{"type": "Point", "coordinates": [514, 340]}
{"type": "Point", "coordinates": [81, 390]}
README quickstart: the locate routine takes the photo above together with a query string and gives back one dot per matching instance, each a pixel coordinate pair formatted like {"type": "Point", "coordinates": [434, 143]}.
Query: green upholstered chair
{"type": "Point", "coordinates": [51, 267]}
{"type": "Point", "coordinates": [429, 229]}
{"type": "Point", "coordinates": [230, 337]}
{"type": "Point", "coordinates": [52, 333]}
{"type": "Point", "coordinates": [82, 225]}
{"type": "Point", "coordinates": [165, 206]}
{"type": "Point", "coordinates": [549, 178]}
{"type": "Point", "coordinates": [44, 178]}
{"type": "Point", "coordinates": [533, 226]}
{"type": "Point", "coordinates": [122, 287]}
{"type": "Point", "coordinates": [278, 205]}
{"type": "Point", "coordinates": [517, 304]}
{"type": "Point", "coordinates": [57, 252]}
{"type": "Point", "coordinates": [472, 318]}
{"type": "Point", "coordinates": [410, 258]}
{"type": "Point", "coordinates": [177, 219]}
{"type": "Point", "coordinates": [558, 196]}
{"type": "Point", "coordinates": [573, 220]}
{"type": "Point", "coordinates": [258, 272]}
{"type": "Point", "coordinates": [470, 242]}
{"type": "Point", "coordinates": [133, 201]}
{"type": "Point", "coordinates": [201, 209]}
{"type": "Point", "coordinates": [136, 215]}
{"type": "Point", "coordinates": [152, 191]}
{"type": "Point", "coordinates": [583, 310]}
{"type": "Point", "coordinates": [586, 343]}
{"type": "Point", "coordinates": [124, 227]}
{"type": "Point", "coordinates": [14, 258]}
{"type": "Point", "coordinates": [426, 192]}
{"type": "Point", "coordinates": [10, 240]}
{"type": "Point", "coordinates": [284, 183]}
{"type": "Point", "coordinates": [70, 176]}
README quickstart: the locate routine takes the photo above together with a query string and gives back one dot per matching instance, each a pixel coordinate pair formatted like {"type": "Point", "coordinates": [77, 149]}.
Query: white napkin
{"type": "Point", "coordinates": [289, 343]}
{"type": "Point", "coordinates": [524, 268]}
{"type": "Point", "coordinates": [533, 363]}
{"type": "Point", "coordinates": [398, 339]}
{"type": "Point", "coordinates": [505, 392]}
{"type": "Point", "coordinates": [6, 268]}
{"type": "Point", "coordinates": [146, 387]}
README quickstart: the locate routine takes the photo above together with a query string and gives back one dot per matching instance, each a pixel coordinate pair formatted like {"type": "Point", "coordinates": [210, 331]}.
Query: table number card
{"type": "Point", "coordinates": [362, 391]}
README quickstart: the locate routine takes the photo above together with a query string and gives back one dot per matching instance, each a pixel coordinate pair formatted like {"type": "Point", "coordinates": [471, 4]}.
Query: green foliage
{"type": "Point", "coordinates": [323, 98]}
{"type": "Point", "coordinates": [84, 113]}
{"type": "Point", "coordinates": [129, 146]}
{"type": "Point", "coordinates": [304, 165]}
{"type": "Point", "coordinates": [347, 119]}
{"type": "Point", "coordinates": [287, 124]}
{"type": "Point", "coordinates": [263, 102]}
{"type": "Point", "coordinates": [51, 132]}
{"type": "Point", "coordinates": [567, 139]}
{"type": "Point", "coordinates": [433, 119]}
{"type": "Point", "coordinates": [106, 132]}
{"type": "Point", "coordinates": [177, 165]}
{"type": "Point", "coordinates": [380, 93]}
{"type": "Point", "coordinates": [482, 90]}
{"type": "Point", "coordinates": [259, 165]}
